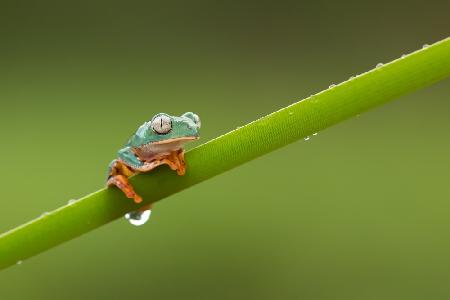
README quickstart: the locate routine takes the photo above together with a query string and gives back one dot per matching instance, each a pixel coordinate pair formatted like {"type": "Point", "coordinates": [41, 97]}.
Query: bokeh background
{"type": "Point", "coordinates": [360, 211]}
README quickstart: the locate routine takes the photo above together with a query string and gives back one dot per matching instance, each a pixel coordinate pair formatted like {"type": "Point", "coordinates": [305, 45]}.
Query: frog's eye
{"type": "Point", "coordinates": [161, 124]}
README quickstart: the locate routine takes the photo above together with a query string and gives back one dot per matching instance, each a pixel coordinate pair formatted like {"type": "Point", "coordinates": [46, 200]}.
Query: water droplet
{"type": "Point", "coordinates": [351, 77]}
{"type": "Point", "coordinates": [307, 138]}
{"type": "Point", "coordinates": [291, 113]}
{"type": "Point", "coordinates": [403, 56]}
{"type": "Point", "coordinates": [425, 46]}
{"type": "Point", "coordinates": [19, 262]}
{"type": "Point", "coordinates": [138, 218]}
{"type": "Point", "coordinates": [332, 85]}
{"type": "Point", "coordinates": [71, 201]}
{"type": "Point", "coordinates": [379, 65]}
{"type": "Point", "coordinates": [45, 213]}
{"type": "Point", "coordinates": [314, 134]}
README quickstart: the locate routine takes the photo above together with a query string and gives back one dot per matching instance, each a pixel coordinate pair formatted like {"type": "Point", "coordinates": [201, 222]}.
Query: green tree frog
{"type": "Point", "coordinates": [159, 141]}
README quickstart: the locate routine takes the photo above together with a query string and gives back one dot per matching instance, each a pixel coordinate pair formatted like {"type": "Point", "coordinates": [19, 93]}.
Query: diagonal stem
{"type": "Point", "coordinates": [380, 85]}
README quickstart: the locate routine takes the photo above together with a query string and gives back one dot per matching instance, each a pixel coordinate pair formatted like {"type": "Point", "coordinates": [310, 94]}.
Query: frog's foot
{"type": "Point", "coordinates": [176, 162]}
{"type": "Point", "coordinates": [118, 176]}
{"type": "Point", "coordinates": [124, 185]}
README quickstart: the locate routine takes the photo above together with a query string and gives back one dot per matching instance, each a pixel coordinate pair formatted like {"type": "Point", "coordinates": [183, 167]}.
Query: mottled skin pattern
{"type": "Point", "coordinates": [159, 141]}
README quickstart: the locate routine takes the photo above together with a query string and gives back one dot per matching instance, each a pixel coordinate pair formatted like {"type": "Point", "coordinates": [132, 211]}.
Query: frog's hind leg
{"type": "Point", "coordinates": [118, 175]}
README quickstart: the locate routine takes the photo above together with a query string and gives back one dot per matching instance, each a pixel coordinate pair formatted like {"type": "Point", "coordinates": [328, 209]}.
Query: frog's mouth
{"type": "Point", "coordinates": [176, 140]}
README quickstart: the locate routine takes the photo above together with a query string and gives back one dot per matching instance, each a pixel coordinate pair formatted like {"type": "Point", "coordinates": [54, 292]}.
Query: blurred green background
{"type": "Point", "coordinates": [360, 211]}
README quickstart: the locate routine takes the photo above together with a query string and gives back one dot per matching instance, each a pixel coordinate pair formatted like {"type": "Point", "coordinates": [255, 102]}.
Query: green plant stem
{"type": "Point", "coordinates": [219, 155]}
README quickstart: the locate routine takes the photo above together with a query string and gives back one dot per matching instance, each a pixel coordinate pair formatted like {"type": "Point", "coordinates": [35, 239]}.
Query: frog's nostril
{"type": "Point", "coordinates": [194, 126]}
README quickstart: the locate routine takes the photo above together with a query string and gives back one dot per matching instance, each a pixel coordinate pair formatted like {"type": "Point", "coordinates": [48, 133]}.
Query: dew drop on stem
{"type": "Point", "coordinates": [138, 218]}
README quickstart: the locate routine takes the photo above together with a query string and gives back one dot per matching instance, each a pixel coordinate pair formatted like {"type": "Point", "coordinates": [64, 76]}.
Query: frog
{"type": "Point", "coordinates": [156, 142]}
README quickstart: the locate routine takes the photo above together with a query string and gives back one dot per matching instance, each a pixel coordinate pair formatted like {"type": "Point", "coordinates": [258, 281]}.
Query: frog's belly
{"type": "Point", "coordinates": [151, 151]}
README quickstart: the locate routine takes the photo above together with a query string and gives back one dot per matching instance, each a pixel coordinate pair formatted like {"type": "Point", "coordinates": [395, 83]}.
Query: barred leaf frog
{"type": "Point", "coordinates": [159, 141]}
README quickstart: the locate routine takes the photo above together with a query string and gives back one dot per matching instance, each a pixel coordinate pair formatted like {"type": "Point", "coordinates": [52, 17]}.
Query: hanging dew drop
{"type": "Point", "coordinates": [44, 214]}
{"type": "Point", "coordinates": [425, 46]}
{"type": "Point", "coordinates": [138, 218]}
{"type": "Point", "coordinates": [332, 85]}
{"type": "Point", "coordinates": [314, 134]}
{"type": "Point", "coordinates": [379, 65]}
{"type": "Point", "coordinates": [403, 56]}
{"type": "Point", "coordinates": [71, 201]}
{"type": "Point", "coordinates": [307, 138]}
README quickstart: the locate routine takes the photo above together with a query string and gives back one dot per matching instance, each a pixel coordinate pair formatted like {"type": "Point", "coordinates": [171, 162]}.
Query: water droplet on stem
{"type": "Point", "coordinates": [138, 218]}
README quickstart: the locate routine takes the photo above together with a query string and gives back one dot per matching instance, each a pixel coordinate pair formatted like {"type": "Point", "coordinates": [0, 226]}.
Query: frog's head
{"type": "Point", "coordinates": [164, 129]}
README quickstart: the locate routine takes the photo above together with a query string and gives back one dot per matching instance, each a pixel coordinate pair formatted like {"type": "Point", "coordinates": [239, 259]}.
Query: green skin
{"type": "Point", "coordinates": [154, 144]}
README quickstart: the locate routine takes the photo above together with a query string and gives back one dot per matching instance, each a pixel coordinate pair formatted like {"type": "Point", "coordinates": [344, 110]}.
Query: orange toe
{"type": "Point", "coordinates": [137, 199]}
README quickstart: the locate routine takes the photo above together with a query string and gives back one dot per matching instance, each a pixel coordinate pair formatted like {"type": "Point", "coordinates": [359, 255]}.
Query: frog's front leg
{"type": "Point", "coordinates": [176, 161]}
{"type": "Point", "coordinates": [181, 163]}
{"type": "Point", "coordinates": [122, 168]}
